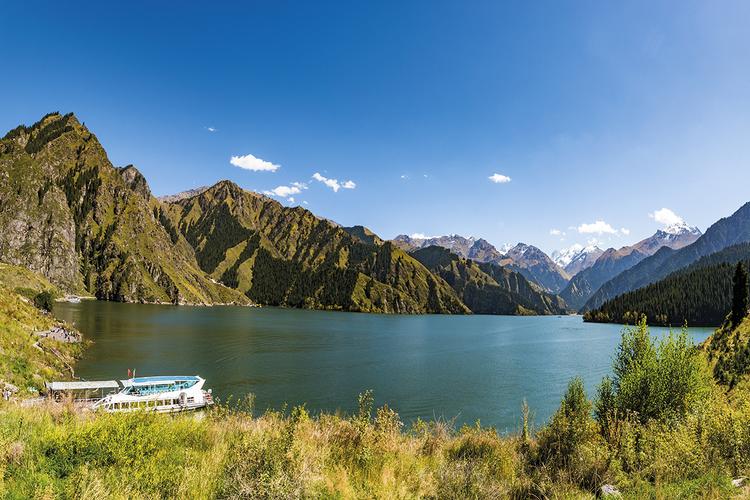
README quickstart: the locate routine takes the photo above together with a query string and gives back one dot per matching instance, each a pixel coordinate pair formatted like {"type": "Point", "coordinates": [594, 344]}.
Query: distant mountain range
{"type": "Point", "coordinates": [698, 294]}
{"type": "Point", "coordinates": [528, 260]}
{"type": "Point", "coordinates": [613, 262]}
{"type": "Point", "coordinates": [576, 258]}
{"type": "Point", "coordinates": [90, 227]}
{"type": "Point", "coordinates": [722, 234]}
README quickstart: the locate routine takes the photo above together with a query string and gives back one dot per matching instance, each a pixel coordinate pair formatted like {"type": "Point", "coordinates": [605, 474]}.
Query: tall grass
{"type": "Point", "coordinates": [59, 451]}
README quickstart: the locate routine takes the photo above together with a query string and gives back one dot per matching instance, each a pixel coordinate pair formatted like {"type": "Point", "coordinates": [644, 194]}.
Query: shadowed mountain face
{"type": "Point", "coordinates": [87, 226]}
{"type": "Point", "coordinates": [613, 262]}
{"type": "Point", "coordinates": [536, 266]}
{"type": "Point", "coordinates": [488, 288]}
{"type": "Point", "coordinates": [724, 233]}
{"type": "Point", "coordinates": [278, 255]}
{"type": "Point", "coordinates": [699, 294]}
{"type": "Point", "coordinates": [531, 262]}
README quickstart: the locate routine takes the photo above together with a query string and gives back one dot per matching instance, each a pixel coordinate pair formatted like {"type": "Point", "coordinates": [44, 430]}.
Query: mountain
{"type": "Point", "coordinates": [528, 260]}
{"type": "Point", "coordinates": [287, 256]}
{"type": "Point", "coordinates": [613, 262]}
{"type": "Point", "coordinates": [536, 266]}
{"type": "Point", "coordinates": [69, 214]}
{"type": "Point", "coordinates": [728, 351]}
{"type": "Point", "coordinates": [576, 258]}
{"type": "Point", "coordinates": [171, 198]}
{"type": "Point", "coordinates": [700, 294]}
{"type": "Point", "coordinates": [726, 232]}
{"type": "Point", "coordinates": [675, 237]}
{"type": "Point", "coordinates": [469, 248]}
{"type": "Point", "coordinates": [488, 288]}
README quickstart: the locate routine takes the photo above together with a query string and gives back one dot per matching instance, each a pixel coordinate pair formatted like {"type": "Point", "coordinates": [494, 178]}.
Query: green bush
{"type": "Point", "coordinates": [653, 380]}
{"type": "Point", "coordinates": [44, 300]}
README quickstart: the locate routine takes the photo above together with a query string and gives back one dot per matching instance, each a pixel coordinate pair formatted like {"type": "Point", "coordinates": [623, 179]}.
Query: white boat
{"type": "Point", "coordinates": [162, 394]}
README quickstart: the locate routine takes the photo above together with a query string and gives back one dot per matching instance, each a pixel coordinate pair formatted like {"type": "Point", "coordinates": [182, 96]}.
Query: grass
{"type": "Point", "coordinates": [25, 282]}
{"type": "Point", "coordinates": [25, 360]}
{"type": "Point", "coordinates": [58, 451]}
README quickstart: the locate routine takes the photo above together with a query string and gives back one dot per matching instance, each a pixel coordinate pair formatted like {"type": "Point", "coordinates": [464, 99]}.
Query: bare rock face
{"type": "Point", "coordinates": [135, 181]}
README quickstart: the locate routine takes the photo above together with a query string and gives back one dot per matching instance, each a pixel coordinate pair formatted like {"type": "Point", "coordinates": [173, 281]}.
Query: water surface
{"type": "Point", "coordinates": [462, 367]}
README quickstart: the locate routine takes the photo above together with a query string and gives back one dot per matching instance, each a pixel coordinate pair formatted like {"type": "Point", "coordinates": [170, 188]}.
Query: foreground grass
{"type": "Point", "coordinates": [58, 451]}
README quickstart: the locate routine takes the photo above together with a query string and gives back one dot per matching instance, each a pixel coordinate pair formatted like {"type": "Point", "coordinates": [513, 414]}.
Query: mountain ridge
{"type": "Point", "coordinates": [86, 225]}
{"type": "Point", "coordinates": [726, 232]}
{"type": "Point", "coordinates": [613, 262]}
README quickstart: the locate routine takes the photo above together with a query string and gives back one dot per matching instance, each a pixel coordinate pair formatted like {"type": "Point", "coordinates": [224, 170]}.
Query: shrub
{"type": "Point", "coordinates": [653, 380]}
{"type": "Point", "coordinates": [44, 300]}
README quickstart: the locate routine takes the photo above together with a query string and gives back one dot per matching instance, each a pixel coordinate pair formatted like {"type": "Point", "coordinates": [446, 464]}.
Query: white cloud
{"type": "Point", "coordinates": [304, 202]}
{"type": "Point", "coordinates": [599, 227]}
{"type": "Point", "coordinates": [287, 191]}
{"type": "Point", "coordinates": [625, 231]}
{"type": "Point", "coordinates": [666, 217]}
{"type": "Point", "coordinates": [250, 162]}
{"type": "Point", "coordinates": [211, 129]}
{"type": "Point", "coordinates": [499, 178]}
{"type": "Point", "coordinates": [404, 176]}
{"type": "Point", "coordinates": [334, 183]}
{"type": "Point", "coordinates": [291, 199]}
{"type": "Point", "coordinates": [555, 232]}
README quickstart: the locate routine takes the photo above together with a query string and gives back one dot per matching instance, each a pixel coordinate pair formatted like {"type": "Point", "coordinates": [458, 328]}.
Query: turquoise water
{"type": "Point", "coordinates": [454, 367]}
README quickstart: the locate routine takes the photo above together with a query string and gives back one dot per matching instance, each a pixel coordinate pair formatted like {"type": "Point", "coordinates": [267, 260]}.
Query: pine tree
{"type": "Point", "coordinates": [739, 294]}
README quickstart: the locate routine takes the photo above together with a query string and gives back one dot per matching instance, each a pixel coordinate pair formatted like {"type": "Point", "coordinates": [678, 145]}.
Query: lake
{"type": "Point", "coordinates": [465, 368]}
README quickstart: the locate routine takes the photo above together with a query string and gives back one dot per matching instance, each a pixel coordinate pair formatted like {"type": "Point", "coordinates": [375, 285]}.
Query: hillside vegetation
{"type": "Point", "coordinates": [69, 214]}
{"type": "Point", "coordinates": [91, 228]}
{"type": "Point", "coordinates": [488, 288]}
{"type": "Point", "coordinates": [27, 361]}
{"type": "Point", "coordinates": [726, 232]}
{"type": "Point", "coordinates": [285, 256]}
{"type": "Point", "coordinates": [699, 295]}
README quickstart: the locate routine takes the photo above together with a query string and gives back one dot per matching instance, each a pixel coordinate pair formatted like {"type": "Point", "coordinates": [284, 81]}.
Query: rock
{"type": "Point", "coordinates": [739, 482]}
{"type": "Point", "coordinates": [609, 490]}
{"type": "Point", "coordinates": [10, 387]}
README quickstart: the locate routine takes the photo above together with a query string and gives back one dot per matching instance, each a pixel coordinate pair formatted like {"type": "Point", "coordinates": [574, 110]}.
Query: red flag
{"type": "Point", "coordinates": [130, 374]}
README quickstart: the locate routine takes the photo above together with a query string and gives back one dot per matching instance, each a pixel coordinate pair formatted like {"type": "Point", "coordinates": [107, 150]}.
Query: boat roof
{"type": "Point", "coordinates": [82, 385]}
{"type": "Point", "coordinates": [159, 379]}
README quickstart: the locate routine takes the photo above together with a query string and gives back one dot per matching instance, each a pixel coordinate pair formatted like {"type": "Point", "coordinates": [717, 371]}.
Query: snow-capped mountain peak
{"type": "Point", "coordinates": [576, 257]}
{"type": "Point", "coordinates": [681, 227]}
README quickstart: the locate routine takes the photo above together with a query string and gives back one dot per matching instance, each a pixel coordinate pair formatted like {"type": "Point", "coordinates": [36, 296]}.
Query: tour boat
{"type": "Point", "coordinates": [162, 394]}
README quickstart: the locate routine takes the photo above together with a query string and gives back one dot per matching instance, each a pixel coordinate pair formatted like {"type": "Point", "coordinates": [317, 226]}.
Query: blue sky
{"type": "Point", "coordinates": [595, 111]}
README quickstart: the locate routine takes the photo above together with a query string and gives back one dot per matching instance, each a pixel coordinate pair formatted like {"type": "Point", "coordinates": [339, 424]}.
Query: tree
{"type": "Point", "coordinates": [653, 380]}
{"type": "Point", "coordinates": [739, 294]}
{"type": "Point", "coordinates": [44, 300]}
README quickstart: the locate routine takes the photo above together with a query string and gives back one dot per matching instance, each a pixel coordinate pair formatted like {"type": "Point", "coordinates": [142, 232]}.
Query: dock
{"type": "Point", "coordinates": [83, 390]}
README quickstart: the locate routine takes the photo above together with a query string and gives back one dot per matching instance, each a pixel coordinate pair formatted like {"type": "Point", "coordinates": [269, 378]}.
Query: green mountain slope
{"type": "Point", "coordinates": [287, 256]}
{"type": "Point", "coordinates": [87, 226]}
{"type": "Point", "coordinates": [728, 351]}
{"type": "Point", "coordinates": [726, 232]}
{"type": "Point", "coordinates": [700, 294]}
{"type": "Point", "coordinates": [26, 360]}
{"type": "Point", "coordinates": [488, 288]}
